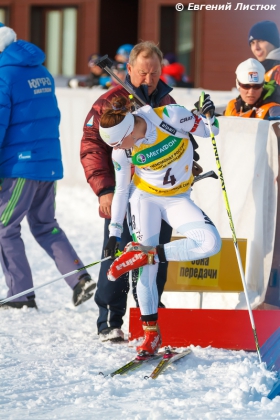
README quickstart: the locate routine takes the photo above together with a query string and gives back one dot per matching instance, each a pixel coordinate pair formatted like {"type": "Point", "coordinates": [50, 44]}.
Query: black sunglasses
{"type": "Point", "coordinates": [247, 87]}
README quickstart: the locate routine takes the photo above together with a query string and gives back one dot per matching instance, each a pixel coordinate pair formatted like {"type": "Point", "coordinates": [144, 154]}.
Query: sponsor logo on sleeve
{"type": "Point", "coordinates": [167, 127]}
{"type": "Point", "coordinates": [128, 153]}
{"type": "Point", "coordinates": [90, 122]}
{"type": "Point", "coordinates": [186, 119]}
{"type": "Point", "coordinates": [24, 155]}
{"type": "Point", "coordinates": [117, 166]}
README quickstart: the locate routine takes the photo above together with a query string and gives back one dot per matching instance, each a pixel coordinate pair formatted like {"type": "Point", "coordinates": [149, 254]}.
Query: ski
{"type": "Point", "coordinates": [134, 364]}
{"type": "Point", "coordinates": [170, 356]}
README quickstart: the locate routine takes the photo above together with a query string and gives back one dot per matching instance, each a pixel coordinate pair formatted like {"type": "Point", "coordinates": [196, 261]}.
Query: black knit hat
{"type": "Point", "coordinates": [266, 31]}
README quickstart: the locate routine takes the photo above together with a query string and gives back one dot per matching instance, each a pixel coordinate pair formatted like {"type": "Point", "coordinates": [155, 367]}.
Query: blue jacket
{"type": "Point", "coordinates": [29, 116]}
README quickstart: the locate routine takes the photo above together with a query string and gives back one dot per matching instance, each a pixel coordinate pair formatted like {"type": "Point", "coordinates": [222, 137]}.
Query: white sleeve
{"type": "Point", "coordinates": [184, 120]}
{"type": "Point", "coordinates": [120, 200]}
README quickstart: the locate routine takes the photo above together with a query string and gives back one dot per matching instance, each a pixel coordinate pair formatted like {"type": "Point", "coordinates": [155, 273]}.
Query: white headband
{"type": "Point", "coordinates": [113, 136]}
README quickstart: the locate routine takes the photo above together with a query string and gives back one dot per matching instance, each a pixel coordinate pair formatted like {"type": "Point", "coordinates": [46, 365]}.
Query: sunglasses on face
{"type": "Point", "coordinates": [248, 87]}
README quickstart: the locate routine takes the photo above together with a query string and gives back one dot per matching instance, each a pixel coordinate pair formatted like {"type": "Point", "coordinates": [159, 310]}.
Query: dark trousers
{"type": "Point", "coordinates": [111, 296]}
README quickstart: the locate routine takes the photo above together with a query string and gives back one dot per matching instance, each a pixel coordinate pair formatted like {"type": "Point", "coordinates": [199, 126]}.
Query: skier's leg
{"type": "Point", "coordinates": [146, 227]}
{"type": "Point", "coordinates": [202, 238]}
{"type": "Point", "coordinates": [164, 237]}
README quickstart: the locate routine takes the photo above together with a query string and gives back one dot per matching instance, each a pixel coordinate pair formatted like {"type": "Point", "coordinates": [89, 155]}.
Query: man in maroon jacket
{"type": "Point", "coordinates": [144, 70]}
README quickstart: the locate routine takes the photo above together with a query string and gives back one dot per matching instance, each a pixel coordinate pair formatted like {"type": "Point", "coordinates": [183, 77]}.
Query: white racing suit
{"type": "Point", "coordinates": [160, 189]}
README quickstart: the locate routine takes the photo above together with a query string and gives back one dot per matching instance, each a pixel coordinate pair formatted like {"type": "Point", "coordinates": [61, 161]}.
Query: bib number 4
{"type": "Point", "coordinates": [169, 179]}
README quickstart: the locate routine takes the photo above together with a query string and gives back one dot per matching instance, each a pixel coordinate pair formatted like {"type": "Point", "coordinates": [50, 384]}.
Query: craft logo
{"type": "Point", "coordinates": [253, 77]}
{"type": "Point", "coordinates": [141, 158]}
{"type": "Point", "coordinates": [186, 119]}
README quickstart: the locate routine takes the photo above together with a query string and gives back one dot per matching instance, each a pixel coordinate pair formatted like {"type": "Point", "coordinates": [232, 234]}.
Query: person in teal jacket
{"type": "Point", "coordinates": [30, 165]}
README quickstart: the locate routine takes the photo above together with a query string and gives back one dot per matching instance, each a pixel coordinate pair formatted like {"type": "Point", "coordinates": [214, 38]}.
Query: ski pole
{"type": "Point", "coordinates": [52, 281]}
{"type": "Point", "coordinates": [106, 63]}
{"type": "Point", "coordinates": [232, 229]}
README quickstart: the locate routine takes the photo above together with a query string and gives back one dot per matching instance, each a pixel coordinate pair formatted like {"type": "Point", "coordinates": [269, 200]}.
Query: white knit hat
{"type": "Point", "coordinates": [250, 71]}
{"type": "Point", "coordinates": [7, 36]}
{"type": "Point", "coordinates": [114, 135]}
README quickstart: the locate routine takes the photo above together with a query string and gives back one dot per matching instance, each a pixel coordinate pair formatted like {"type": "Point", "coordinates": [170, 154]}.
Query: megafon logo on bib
{"type": "Point", "coordinates": [141, 158]}
{"type": "Point", "coordinates": [253, 77]}
{"type": "Point", "coordinates": [24, 155]}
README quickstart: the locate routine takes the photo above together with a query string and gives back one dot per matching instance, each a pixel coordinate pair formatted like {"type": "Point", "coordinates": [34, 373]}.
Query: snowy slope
{"type": "Point", "coordinates": [50, 359]}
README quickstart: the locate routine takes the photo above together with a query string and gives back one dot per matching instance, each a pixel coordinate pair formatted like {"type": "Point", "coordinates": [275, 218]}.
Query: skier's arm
{"type": "Point", "coordinates": [120, 200]}
{"type": "Point", "coordinates": [206, 111]}
{"type": "Point", "coordinates": [187, 122]}
{"type": "Point", "coordinates": [202, 128]}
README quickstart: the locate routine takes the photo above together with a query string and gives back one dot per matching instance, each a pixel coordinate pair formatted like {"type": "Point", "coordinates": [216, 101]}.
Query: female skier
{"type": "Point", "coordinates": [157, 143]}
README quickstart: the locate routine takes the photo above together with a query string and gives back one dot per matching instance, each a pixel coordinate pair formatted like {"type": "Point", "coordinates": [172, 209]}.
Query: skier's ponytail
{"type": "Point", "coordinates": [114, 115]}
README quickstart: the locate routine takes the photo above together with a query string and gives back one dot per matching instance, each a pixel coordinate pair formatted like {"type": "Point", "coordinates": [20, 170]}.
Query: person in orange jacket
{"type": "Point", "coordinates": [257, 99]}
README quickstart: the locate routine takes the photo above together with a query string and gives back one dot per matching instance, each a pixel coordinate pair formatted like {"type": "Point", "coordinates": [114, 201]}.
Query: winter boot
{"type": "Point", "coordinates": [83, 290]}
{"type": "Point", "coordinates": [134, 256]}
{"type": "Point", "coordinates": [152, 339]}
{"type": "Point", "coordinates": [18, 305]}
{"type": "Point", "coordinates": [115, 335]}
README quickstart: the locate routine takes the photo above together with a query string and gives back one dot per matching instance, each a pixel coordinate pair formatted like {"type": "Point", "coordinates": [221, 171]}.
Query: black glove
{"type": "Point", "coordinates": [207, 107]}
{"type": "Point", "coordinates": [112, 247]}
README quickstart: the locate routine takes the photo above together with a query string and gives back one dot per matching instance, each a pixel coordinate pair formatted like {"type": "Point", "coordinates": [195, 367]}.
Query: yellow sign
{"type": "Point", "coordinates": [219, 273]}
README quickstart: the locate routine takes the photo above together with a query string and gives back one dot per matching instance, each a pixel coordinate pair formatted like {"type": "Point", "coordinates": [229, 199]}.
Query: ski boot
{"type": "Point", "coordinates": [134, 256]}
{"type": "Point", "coordinates": [152, 340]}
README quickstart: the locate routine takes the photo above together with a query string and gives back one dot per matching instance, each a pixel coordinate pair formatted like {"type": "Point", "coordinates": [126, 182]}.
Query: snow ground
{"type": "Point", "coordinates": [50, 359]}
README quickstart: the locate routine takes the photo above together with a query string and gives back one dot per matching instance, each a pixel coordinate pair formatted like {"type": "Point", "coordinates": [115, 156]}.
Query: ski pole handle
{"type": "Point", "coordinates": [201, 100]}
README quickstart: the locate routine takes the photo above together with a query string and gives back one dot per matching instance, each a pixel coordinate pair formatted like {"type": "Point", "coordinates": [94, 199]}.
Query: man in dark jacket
{"type": "Point", "coordinates": [30, 165]}
{"type": "Point", "coordinates": [144, 70]}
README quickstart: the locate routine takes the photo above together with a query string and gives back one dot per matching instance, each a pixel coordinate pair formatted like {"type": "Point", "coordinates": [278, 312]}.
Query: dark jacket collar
{"type": "Point", "coordinates": [154, 99]}
{"type": "Point", "coordinates": [269, 64]}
